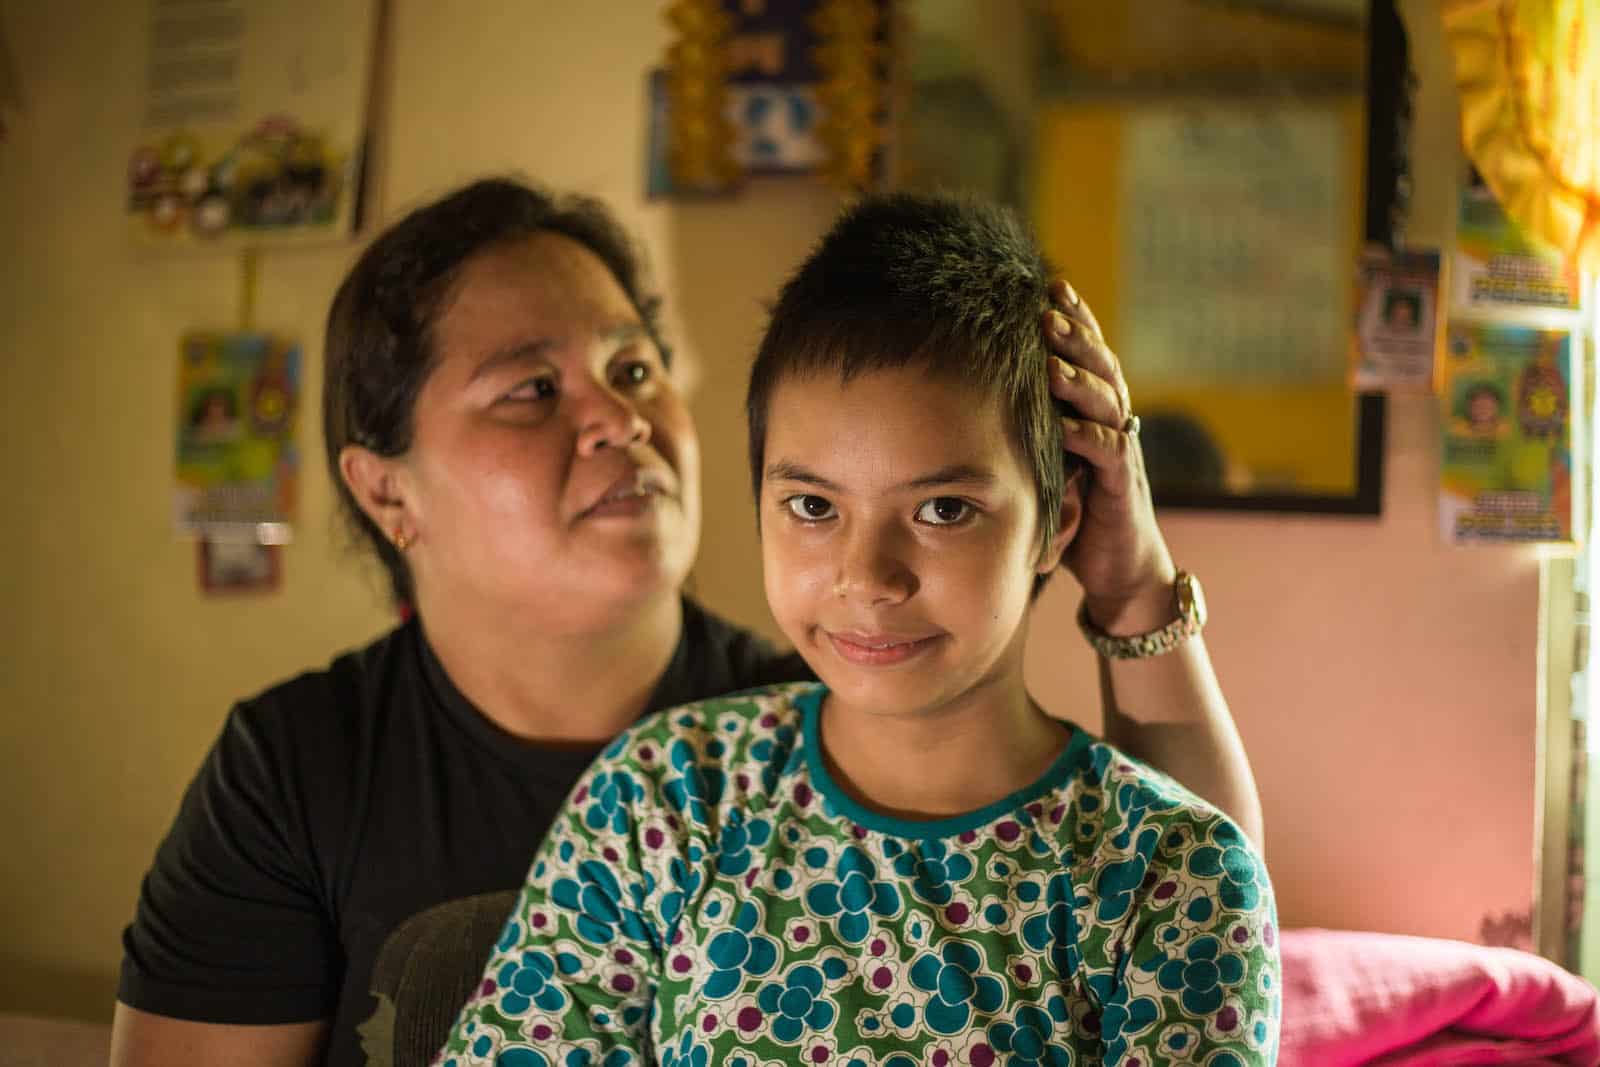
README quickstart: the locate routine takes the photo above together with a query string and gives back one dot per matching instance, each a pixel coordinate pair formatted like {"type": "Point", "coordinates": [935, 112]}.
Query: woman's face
{"type": "Point", "coordinates": [554, 468]}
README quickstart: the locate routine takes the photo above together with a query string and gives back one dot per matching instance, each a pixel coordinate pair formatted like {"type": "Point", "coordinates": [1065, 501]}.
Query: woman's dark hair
{"type": "Point", "coordinates": [953, 286]}
{"type": "Point", "coordinates": [378, 350]}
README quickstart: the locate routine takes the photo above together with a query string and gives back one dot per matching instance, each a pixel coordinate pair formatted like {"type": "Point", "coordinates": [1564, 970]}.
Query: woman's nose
{"type": "Point", "coordinates": [607, 419]}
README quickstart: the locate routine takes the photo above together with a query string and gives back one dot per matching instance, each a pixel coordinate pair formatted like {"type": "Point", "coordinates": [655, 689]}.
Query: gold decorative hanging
{"type": "Point", "coordinates": [700, 155]}
{"type": "Point", "coordinates": [851, 93]}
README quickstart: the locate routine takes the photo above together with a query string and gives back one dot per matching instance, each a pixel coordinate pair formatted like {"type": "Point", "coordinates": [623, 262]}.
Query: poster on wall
{"type": "Point", "coordinates": [237, 466]}
{"type": "Point", "coordinates": [1505, 397]}
{"type": "Point", "coordinates": [1498, 265]}
{"type": "Point", "coordinates": [775, 87]}
{"type": "Point", "coordinates": [252, 122]}
{"type": "Point", "coordinates": [1397, 321]}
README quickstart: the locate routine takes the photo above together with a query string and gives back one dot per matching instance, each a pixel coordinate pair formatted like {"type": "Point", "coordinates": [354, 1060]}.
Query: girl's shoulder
{"type": "Point", "coordinates": [703, 760]}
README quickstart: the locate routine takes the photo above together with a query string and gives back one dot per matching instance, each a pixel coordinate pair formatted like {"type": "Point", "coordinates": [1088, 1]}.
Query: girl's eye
{"type": "Point", "coordinates": [808, 508]}
{"type": "Point", "coordinates": [944, 511]}
{"type": "Point", "coordinates": [634, 372]}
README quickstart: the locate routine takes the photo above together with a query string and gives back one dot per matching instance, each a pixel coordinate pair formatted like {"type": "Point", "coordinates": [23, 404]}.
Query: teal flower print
{"type": "Point", "coordinates": [1117, 882]}
{"type": "Point", "coordinates": [521, 1056]}
{"type": "Point", "coordinates": [596, 897]}
{"type": "Point", "coordinates": [610, 795]}
{"type": "Point", "coordinates": [1123, 1020]}
{"type": "Point", "coordinates": [738, 952]}
{"type": "Point", "coordinates": [1054, 930]}
{"type": "Point", "coordinates": [528, 982]}
{"type": "Point", "coordinates": [687, 1053]}
{"type": "Point", "coordinates": [955, 978]}
{"type": "Point", "coordinates": [1025, 1040]}
{"type": "Point", "coordinates": [735, 841]}
{"type": "Point", "coordinates": [695, 787]}
{"type": "Point", "coordinates": [1201, 975]}
{"type": "Point", "coordinates": [798, 1003]}
{"type": "Point", "coordinates": [1230, 859]}
{"type": "Point", "coordinates": [935, 872]}
{"type": "Point", "coordinates": [685, 881]}
{"type": "Point", "coordinates": [856, 893]}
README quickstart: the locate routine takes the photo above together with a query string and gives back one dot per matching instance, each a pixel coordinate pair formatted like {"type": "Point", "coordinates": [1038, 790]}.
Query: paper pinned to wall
{"type": "Point", "coordinates": [237, 465]}
{"type": "Point", "coordinates": [254, 120]}
{"type": "Point", "coordinates": [1505, 400]}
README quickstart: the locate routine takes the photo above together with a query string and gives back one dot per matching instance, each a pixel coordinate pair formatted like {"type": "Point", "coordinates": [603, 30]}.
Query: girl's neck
{"type": "Point", "coordinates": [542, 681]}
{"type": "Point", "coordinates": [941, 762]}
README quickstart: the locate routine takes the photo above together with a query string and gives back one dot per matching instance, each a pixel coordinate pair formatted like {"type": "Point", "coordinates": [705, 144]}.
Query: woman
{"type": "Point", "coordinates": [501, 422]}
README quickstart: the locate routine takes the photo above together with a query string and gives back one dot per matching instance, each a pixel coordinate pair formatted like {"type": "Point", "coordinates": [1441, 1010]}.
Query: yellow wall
{"type": "Point", "coordinates": [1384, 684]}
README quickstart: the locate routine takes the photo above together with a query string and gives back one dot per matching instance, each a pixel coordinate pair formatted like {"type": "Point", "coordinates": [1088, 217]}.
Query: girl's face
{"type": "Point", "coordinates": [554, 468]}
{"type": "Point", "coordinates": [900, 538]}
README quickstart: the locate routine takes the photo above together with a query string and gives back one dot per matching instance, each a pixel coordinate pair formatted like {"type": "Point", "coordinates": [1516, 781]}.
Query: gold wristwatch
{"type": "Point", "coordinates": [1191, 605]}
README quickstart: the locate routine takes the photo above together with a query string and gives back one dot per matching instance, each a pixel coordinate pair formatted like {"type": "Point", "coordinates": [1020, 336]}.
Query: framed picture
{"type": "Point", "coordinates": [1209, 191]}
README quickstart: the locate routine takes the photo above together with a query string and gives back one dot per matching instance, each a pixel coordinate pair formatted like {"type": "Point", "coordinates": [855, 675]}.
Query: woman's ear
{"type": "Point", "coordinates": [1071, 516]}
{"type": "Point", "coordinates": [379, 486]}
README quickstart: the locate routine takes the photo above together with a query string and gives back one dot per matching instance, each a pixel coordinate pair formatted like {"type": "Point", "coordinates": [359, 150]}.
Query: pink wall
{"type": "Point", "coordinates": [1385, 688]}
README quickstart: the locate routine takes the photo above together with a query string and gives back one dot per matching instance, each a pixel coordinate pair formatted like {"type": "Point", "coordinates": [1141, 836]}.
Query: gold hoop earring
{"type": "Point", "coordinates": [401, 541]}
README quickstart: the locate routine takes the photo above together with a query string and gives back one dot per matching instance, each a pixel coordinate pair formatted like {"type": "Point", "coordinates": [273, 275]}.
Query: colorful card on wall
{"type": "Point", "coordinates": [237, 466]}
{"type": "Point", "coordinates": [1397, 321]}
{"type": "Point", "coordinates": [1505, 399]}
{"type": "Point", "coordinates": [254, 120]}
{"type": "Point", "coordinates": [1498, 265]}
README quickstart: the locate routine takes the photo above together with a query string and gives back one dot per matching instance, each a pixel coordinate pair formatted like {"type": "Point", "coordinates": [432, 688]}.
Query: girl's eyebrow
{"type": "Point", "coordinates": [785, 470]}
{"type": "Point", "coordinates": [955, 474]}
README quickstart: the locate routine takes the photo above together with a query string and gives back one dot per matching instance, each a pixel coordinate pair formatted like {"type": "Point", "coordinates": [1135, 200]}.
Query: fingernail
{"type": "Point", "coordinates": [1071, 425]}
{"type": "Point", "coordinates": [1060, 323]}
{"type": "Point", "coordinates": [1067, 369]}
{"type": "Point", "coordinates": [1072, 294]}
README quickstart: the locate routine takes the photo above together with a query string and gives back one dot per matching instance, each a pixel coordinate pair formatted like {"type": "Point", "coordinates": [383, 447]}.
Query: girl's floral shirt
{"type": "Point", "coordinates": [710, 896]}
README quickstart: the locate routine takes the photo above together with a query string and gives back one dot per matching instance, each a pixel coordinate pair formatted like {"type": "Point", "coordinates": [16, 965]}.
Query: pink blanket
{"type": "Point", "coordinates": [1382, 999]}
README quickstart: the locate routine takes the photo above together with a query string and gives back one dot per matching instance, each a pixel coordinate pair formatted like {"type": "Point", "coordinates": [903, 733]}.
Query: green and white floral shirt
{"type": "Point", "coordinates": [710, 896]}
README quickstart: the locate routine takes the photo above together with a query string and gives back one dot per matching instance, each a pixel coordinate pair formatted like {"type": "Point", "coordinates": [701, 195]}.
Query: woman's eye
{"type": "Point", "coordinates": [635, 372]}
{"type": "Point", "coordinates": [944, 511]}
{"type": "Point", "coordinates": [534, 389]}
{"type": "Point", "coordinates": [808, 508]}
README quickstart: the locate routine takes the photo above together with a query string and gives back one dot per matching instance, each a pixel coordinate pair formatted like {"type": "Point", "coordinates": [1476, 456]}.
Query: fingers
{"type": "Point", "coordinates": [1074, 341]}
{"type": "Point", "coordinates": [1094, 398]}
{"type": "Point", "coordinates": [1107, 450]}
{"type": "Point", "coordinates": [1065, 298]}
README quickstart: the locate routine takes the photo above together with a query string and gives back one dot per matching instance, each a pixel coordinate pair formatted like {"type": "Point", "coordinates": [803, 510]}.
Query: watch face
{"type": "Point", "coordinates": [1191, 600]}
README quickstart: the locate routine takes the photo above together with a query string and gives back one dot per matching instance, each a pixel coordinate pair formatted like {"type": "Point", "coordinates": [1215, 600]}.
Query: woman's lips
{"type": "Point", "coordinates": [879, 650]}
{"type": "Point", "coordinates": [623, 505]}
{"type": "Point", "coordinates": [629, 496]}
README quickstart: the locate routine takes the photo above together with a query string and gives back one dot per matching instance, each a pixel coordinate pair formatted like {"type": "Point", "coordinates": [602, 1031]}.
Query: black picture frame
{"type": "Point", "coordinates": [1389, 91]}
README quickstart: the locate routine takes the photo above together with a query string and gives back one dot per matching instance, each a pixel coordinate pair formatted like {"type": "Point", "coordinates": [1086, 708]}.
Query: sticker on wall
{"type": "Point", "coordinates": [1498, 265]}
{"type": "Point", "coordinates": [1397, 321]}
{"type": "Point", "coordinates": [228, 567]}
{"type": "Point", "coordinates": [237, 466]}
{"type": "Point", "coordinates": [1505, 401]}
{"type": "Point", "coordinates": [254, 118]}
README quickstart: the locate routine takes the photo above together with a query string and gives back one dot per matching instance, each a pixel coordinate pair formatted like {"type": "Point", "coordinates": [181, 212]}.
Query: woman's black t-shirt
{"type": "Point", "coordinates": [355, 839]}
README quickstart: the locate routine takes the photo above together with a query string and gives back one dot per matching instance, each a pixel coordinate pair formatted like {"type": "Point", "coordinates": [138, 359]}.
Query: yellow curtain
{"type": "Point", "coordinates": [1529, 78]}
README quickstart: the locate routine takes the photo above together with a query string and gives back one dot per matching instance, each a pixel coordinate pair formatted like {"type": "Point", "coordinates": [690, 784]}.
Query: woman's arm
{"type": "Point", "coordinates": [1167, 710]}
{"type": "Point", "coordinates": [140, 1038]}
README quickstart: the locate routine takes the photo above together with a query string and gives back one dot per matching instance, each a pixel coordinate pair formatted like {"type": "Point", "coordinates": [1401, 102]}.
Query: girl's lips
{"type": "Point", "coordinates": [870, 650]}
